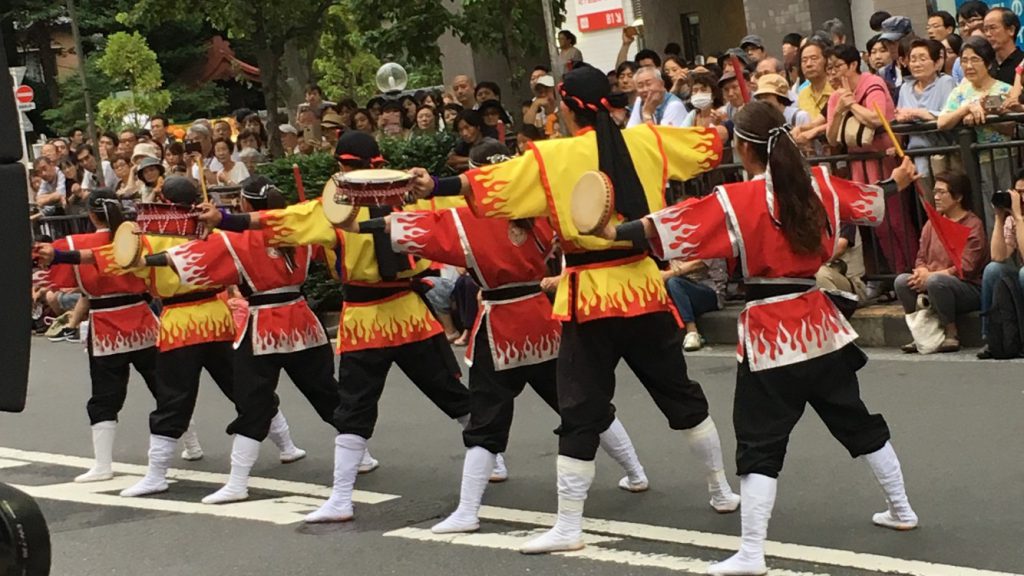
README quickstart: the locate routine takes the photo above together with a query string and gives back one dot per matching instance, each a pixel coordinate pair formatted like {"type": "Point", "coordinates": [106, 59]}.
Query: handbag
{"type": "Point", "coordinates": [854, 133]}
{"type": "Point", "coordinates": [925, 327]}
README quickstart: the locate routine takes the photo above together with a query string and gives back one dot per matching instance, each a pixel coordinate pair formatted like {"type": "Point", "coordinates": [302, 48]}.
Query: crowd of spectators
{"type": "Point", "coordinates": [964, 72]}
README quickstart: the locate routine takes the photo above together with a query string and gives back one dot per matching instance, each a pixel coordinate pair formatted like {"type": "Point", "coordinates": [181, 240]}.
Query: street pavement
{"type": "Point", "coordinates": [956, 425]}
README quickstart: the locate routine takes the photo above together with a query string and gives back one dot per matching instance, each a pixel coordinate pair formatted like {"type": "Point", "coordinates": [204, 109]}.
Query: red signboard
{"type": "Point", "coordinates": [24, 94]}
{"type": "Point", "coordinates": [601, 20]}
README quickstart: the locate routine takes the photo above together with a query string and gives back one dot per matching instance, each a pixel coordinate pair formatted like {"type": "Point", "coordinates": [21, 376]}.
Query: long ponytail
{"type": "Point", "coordinates": [800, 213]}
{"type": "Point", "coordinates": [106, 207]}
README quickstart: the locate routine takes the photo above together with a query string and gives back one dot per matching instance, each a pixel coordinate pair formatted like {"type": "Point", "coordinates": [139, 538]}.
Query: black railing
{"type": "Point", "coordinates": [892, 247]}
{"type": "Point", "coordinates": [55, 227]}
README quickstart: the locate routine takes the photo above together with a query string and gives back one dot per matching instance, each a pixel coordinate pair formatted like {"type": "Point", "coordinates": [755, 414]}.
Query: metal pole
{"type": "Point", "coordinates": [549, 29]}
{"type": "Point", "coordinates": [89, 118]}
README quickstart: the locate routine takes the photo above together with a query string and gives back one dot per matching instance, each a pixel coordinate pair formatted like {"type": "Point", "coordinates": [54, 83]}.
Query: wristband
{"type": "Point", "coordinates": [234, 222]}
{"type": "Point", "coordinates": [632, 231]}
{"type": "Point", "coordinates": [450, 186]}
{"type": "Point", "coordinates": [157, 260]}
{"type": "Point", "coordinates": [67, 257]}
{"type": "Point", "coordinates": [433, 191]}
{"type": "Point", "coordinates": [372, 225]}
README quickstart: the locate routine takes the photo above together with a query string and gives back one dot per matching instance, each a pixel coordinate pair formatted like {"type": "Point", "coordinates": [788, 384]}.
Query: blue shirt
{"type": "Point", "coordinates": [958, 72]}
{"type": "Point", "coordinates": [933, 99]}
{"type": "Point", "coordinates": [671, 112]}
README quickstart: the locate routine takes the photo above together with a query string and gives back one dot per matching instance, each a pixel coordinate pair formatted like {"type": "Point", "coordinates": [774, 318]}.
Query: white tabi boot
{"type": "Point", "coordinates": [103, 448]}
{"type": "Point", "coordinates": [574, 479]}
{"type": "Point", "coordinates": [368, 463]}
{"type": "Point", "coordinates": [758, 493]}
{"type": "Point", "coordinates": [193, 450]}
{"type": "Point", "coordinates": [615, 441]}
{"type": "Point", "coordinates": [886, 466]}
{"type": "Point", "coordinates": [348, 452]}
{"type": "Point", "coordinates": [705, 445]}
{"type": "Point", "coordinates": [161, 451]}
{"type": "Point", "coordinates": [476, 470]}
{"type": "Point", "coordinates": [244, 453]}
{"type": "Point", "coordinates": [281, 436]}
{"type": "Point", "coordinates": [500, 472]}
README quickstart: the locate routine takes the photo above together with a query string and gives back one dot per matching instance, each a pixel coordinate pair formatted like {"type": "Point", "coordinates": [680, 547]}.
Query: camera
{"type": "Point", "coordinates": [992, 103]}
{"type": "Point", "coordinates": [1001, 199]}
{"type": "Point", "coordinates": [193, 147]}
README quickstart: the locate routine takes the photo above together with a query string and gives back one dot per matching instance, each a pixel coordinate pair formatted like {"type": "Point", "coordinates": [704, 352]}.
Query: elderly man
{"type": "Point", "coordinates": [654, 103]}
{"type": "Point", "coordinates": [1001, 27]}
{"type": "Point", "coordinates": [92, 178]}
{"type": "Point", "coordinates": [201, 134]}
{"type": "Point", "coordinates": [464, 91]}
{"type": "Point", "coordinates": [50, 197]}
{"type": "Point", "coordinates": [126, 142]}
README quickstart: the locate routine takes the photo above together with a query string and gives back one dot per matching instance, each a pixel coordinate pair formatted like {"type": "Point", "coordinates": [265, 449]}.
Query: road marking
{"type": "Point", "coordinates": [269, 484]}
{"type": "Point", "coordinates": [11, 463]}
{"type": "Point", "coordinates": [800, 552]}
{"type": "Point", "coordinates": [287, 510]}
{"type": "Point", "coordinates": [513, 540]}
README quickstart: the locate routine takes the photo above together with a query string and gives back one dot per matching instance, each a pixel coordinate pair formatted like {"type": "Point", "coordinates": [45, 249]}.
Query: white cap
{"type": "Point", "coordinates": [545, 80]}
{"type": "Point", "coordinates": [288, 129]}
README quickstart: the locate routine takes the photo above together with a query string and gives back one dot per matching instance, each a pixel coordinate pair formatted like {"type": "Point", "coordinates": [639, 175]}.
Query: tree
{"type": "Point", "coordinates": [402, 30]}
{"type": "Point", "coordinates": [506, 27]}
{"type": "Point", "coordinates": [131, 65]}
{"type": "Point", "coordinates": [268, 25]}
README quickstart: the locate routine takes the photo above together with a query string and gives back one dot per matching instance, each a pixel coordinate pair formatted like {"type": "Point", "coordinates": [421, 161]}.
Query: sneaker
{"type": "Point", "coordinates": [909, 348]}
{"type": "Point", "coordinates": [67, 334]}
{"type": "Point", "coordinates": [985, 354]}
{"type": "Point", "coordinates": [693, 342]}
{"type": "Point", "coordinates": [948, 345]}
{"type": "Point", "coordinates": [58, 325]}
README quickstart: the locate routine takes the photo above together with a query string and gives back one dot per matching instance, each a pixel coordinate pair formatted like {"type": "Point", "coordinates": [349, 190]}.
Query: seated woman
{"type": "Point", "coordinates": [935, 274]}
{"type": "Point", "coordinates": [696, 287]}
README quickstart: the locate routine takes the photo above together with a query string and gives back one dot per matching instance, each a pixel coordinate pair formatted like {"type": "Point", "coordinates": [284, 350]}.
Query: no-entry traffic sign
{"type": "Point", "coordinates": [24, 94]}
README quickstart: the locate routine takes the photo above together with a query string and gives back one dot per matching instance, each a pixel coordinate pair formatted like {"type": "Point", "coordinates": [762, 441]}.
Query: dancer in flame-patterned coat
{"type": "Point", "coordinates": [280, 331]}
{"type": "Point", "coordinates": [611, 300]}
{"type": "Point", "coordinates": [515, 340]}
{"type": "Point", "coordinates": [795, 347]}
{"type": "Point", "coordinates": [196, 332]}
{"type": "Point", "coordinates": [122, 329]}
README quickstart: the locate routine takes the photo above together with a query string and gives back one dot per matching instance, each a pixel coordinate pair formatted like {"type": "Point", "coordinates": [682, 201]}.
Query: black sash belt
{"type": "Point", "coordinates": [585, 258]}
{"type": "Point", "coordinates": [189, 298]}
{"type": "Point", "coordinates": [107, 302]}
{"type": "Point", "coordinates": [509, 293]}
{"type": "Point", "coordinates": [363, 294]}
{"type": "Point", "coordinates": [762, 291]}
{"type": "Point", "coordinates": [278, 298]}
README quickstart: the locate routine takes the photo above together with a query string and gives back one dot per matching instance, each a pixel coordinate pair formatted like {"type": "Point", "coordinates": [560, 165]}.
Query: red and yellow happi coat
{"type": "Point", "coordinates": [736, 221]}
{"type": "Point", "coordinates": [230, 258]}
{"type": "Point", "coordinates": [184, 324]}
{"type": "Point", "coordinates": [399, 318]}
{"type": "Point", "coordinates": [113, 330]}
{"type": "Point", "coordinates": [520, 331]}
{"type": "Point", "coordinates": [540, 183]}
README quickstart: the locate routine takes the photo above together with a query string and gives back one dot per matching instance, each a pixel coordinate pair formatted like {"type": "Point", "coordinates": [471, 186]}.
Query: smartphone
{"type": "Point", "coordinates": [699, 60]}
{"type": "Point", "coordinates": [992, 103]}
{"type": "Point", "coordinates": [1001, 199]}
{"type": "Point", "coordinates": [193, 146]}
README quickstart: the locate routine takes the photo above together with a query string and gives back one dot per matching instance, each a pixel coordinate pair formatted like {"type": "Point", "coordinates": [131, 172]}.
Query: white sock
{"type": "Point", "coordinates": [244, 453]}
{"type": "Point", "coordinates": [758, 493]}
{"type": "Point", "coordinates": [280, 434]}
{"type": "Point", "coordinates": [161, 451]}
{"type": "Point", "coordinates": [616, 442]}
{"type": "Point", "coordinates": [103, 434]}
{"type": "Point", "coordinates": [193, 450]}
{"type": "Point", "coordinates": [574, 479]}
{"type": "Point", "coordinates": [707, 447]}
{"type": "Point", "coordinates": [348, 452]}
{"type": "Point", "coordinates": [886, 467]}
{"type": "Point", "coordinates": [476, 471]}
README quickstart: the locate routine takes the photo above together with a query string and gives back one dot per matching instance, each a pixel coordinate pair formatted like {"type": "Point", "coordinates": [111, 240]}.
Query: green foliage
{"type": "Point", "coordinates": [405, 31]}
{"type": "Point", "coordinates": [506, 27]}
{"type": "Point", "coordinates": [428, 151]}
{"type": "Point", "coordinates": [316, 171]}
{"type": "Point", "coordinates": [204, 101]}
{"type": "Point", "coordinates": [70, 110]}
{"type": "Point", "coordinates": [130, 64]}
{"type": "Point", "coordinates": [344, 67]}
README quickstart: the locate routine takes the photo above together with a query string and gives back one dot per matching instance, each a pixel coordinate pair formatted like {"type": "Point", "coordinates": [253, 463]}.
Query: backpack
{"type": "Point", "coordinates": [1005, 337]}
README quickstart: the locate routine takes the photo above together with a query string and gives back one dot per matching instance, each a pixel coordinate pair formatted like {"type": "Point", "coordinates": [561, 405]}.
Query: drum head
{"type": "Point", "coordinates": [591, 202]}
{"type": "Point", "coordinates": [337, 212]}
{"type": "Point", "coordinates": [376, 176]}
{"type": "Point", "coordinates": [127, 245]}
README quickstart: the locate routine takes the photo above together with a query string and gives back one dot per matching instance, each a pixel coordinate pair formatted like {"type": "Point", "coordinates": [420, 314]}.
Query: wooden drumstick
{"type": "Point", "coordinates": [299, 186]}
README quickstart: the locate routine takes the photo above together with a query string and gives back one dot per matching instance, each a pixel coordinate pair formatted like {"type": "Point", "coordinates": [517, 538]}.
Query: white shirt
{"type": "Point", "coordinates": [110, 179]}
{"type": "Point", "coordinates": [212, 164]}
{"type": "Point", "coordinates": [236, 175]}
{"type": "Point", "coordinates": [671, 112]}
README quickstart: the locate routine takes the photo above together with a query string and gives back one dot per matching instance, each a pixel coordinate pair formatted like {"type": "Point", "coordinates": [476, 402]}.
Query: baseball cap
{"type": "Point", "coordinates": [545, 80]}
{"type": "Point", "coordinates": [752, 40]}
{"type": "Point", "coordinates": [774, 84]}
{"type": "Point", "coordinates": [288, 129]}
{"type": "Point", "coordinates": [895, 27]}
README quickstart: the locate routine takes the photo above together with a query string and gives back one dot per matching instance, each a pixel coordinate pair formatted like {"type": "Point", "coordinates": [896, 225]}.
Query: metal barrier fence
{"type": "Point", "coordinates": [55, 227]}
{"type": "Point", "coordinates": [891, 248]}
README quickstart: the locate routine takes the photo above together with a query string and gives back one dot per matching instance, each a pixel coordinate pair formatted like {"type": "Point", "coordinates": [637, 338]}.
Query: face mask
{"type": "Point", "coordinates": [701, 101]}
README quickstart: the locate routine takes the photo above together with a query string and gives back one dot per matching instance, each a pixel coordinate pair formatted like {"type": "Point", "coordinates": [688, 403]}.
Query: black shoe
{"type": "Point", "coordinates": [66, 335]}
{"type": "Point", "coordinates": [984, 354]}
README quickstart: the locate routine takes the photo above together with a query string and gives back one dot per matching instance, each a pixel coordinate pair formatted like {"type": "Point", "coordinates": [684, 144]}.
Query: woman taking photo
{"type": "Point", "coordinates": [796, 347]}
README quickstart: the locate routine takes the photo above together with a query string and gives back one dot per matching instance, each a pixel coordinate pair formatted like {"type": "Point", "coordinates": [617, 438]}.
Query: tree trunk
{"type": "Point", "coordinates": [298, 66]}
{"type": "Point", "coordinates": [40, 35]}
{"type": "Point", "coordinates": [269, 65]}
